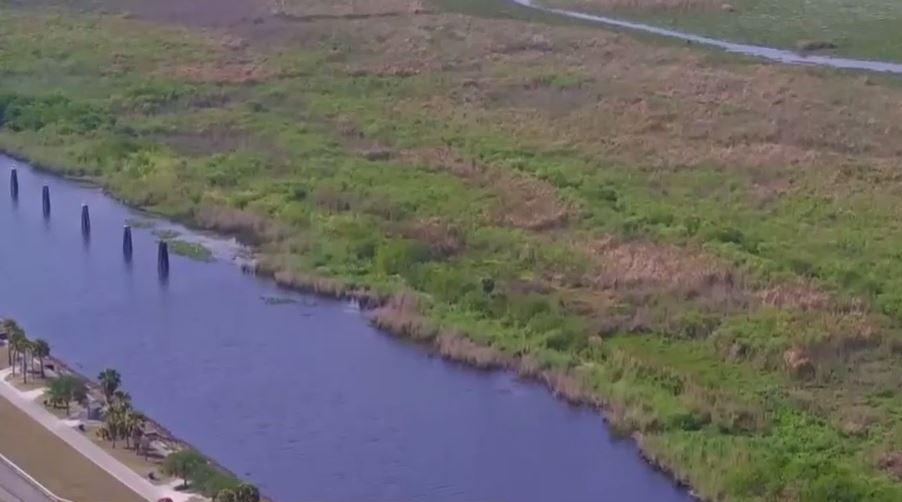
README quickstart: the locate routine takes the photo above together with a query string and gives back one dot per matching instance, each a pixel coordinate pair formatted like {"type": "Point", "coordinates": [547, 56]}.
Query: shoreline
{"type": "Point", "coordinates": [88, 466]}
{"type": "Point", "coordinates": [151, 426]}
{"type": "Point", "coordinates": [451, 345]}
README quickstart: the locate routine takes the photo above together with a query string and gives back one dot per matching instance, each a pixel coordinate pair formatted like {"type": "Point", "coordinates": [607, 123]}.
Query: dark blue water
{"type": "Point", "coordinates": [303, 399]}
{"type": "Point", "coordinates": [758, 51]}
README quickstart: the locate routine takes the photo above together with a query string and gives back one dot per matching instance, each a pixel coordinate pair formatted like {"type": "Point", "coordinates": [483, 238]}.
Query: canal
{"type": "Point", "coordinates": [297, 394]}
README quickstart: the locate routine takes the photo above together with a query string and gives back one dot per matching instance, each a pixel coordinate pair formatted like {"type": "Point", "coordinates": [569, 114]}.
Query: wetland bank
{"type": "Point", "coordinates": [619, 212]}
{"type": "Point", "coordinates": [297, 394]}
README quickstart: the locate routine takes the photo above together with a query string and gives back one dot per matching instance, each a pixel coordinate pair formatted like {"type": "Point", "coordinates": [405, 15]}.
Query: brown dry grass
{"type": "Point", "coordinates": [442, 159]}
{"type": "Point", "coordinates": [621, 100]}
{"type": "Point", "coordinates": [440, 237]}
{"type": "Point", "coordinates": [345, 8]}
{"type": "Point", "coordinates": [651, 104]}
{"type": "Point", "coordinates": [54, 463]}
{"type": "Point", "coordinates": [401, 315]}
{"type": "Point", "coordinates": [521, 200]}
{"type": "Point", "coordinates": [649, 268]}
{"type": "Point", "coordinates": [220, 73]}
{"type": "Point", "coordinates": [526, 202]}
{"type": "Point", "coordinates": [248, 226]}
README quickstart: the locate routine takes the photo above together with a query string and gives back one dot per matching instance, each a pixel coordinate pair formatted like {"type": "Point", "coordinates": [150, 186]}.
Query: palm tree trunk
{"type": "Point", "coordinates": [43, 377]}
{"type": "Point", "coordinates": [25, 367]}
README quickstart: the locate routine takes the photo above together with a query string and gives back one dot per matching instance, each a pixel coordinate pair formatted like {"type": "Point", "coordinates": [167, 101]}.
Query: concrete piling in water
{"type": "Point", "coordinates": [163, 259]}
{"type": "Point", "coordinates": [85, 220]}
{"type": "Point", "coordinates": [127, 242]}
{"type": "Point", "coordinates": [14, 184]}
{"type": "Point", "coordinates": [45, 196]}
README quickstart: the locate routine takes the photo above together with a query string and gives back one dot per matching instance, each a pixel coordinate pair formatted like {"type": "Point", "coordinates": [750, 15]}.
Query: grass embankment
{"type": "Point", "coordinates": [863, 28]}
{"type": "Point", "coordinates": [54, 463]}
{"type": "Point", "coordinates": [708, 249]}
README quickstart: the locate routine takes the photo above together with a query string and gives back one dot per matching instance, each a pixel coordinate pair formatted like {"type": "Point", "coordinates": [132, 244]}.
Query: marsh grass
{"type": "Point", "coordinates": [639, 227]}
{"type": "Point", "coordinates": [192, 250]}
{"type": "Point", "coordinates": [864, 29]}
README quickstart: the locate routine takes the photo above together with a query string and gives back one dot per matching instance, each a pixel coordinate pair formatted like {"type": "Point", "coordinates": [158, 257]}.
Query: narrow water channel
{"type": "Point", "coordinates": [300, 396]}
{"type": "Point", "coordinates": [758, 51]}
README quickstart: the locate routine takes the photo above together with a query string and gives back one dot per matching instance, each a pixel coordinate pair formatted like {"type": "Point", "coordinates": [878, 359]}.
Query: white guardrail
{"type": "Point", "coordinates": [24, 475]}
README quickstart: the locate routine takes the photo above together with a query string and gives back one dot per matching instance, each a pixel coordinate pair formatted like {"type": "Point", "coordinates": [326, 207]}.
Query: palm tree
{"type": "Point", "coordinates": [132, 427]}
{"type": "Point", "coordinates": [128, 424]}
{"type": "Point", "coordinates": [247, 492]}
{"type": "Point", "coordinates": [109, 381]}
{"type": "Point", "coordinates": [12, 330]}
{"type": "Point", "coordinates": [136, 431]}
{"type": "Point", "coordinates": [123, 422]}
{"type": "Point", "coordinates": [16, 340]}
{"type": "Point", "coordinates": [41, 350]}
{"type": "Point", "coordinates": [113, 424]}
{"type": "Point", "coordinates": [123, 399]}
{"type": "Point", "coordinates": [24, 347]}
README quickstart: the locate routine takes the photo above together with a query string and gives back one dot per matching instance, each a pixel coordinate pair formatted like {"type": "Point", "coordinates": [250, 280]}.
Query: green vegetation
{"type": "Point", "coordinates": [109, 380]}
{"type": "Point", "coordinates": [22, 350]}
{"type": "Point", "coordinates": [182, 464]}
{"type": "Point", "coordinates": [857, 28]}
{"type": "Point", "coordinates": [65, 389]}
{"type": "Point", "coordinates": [41, 350]}
{"type": "Point", "coordinates": [191, 250]}
{"type": "Point", "coordinates": [243, 493]}
{"type": "Point", "coordinates": [710, 248]}
{"type": "Point", "coordinates": [204, 478]}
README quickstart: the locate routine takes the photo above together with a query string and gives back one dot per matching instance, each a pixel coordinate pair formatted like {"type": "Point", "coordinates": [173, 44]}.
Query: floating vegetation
{"type": "Point", "coordinates": [191, 250]}
{"type": "Point", "coordinates": [277, 300]}
{"type": "Point", "coordinates": [165, 234]}
{"type": "Point", "coordinates": [139, 223]}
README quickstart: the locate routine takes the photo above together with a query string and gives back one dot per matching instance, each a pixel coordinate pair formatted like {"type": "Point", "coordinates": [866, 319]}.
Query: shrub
{"type": "Point", "coordinates": [397, 257]}
{"type": "Point", "coordinates": [184, 464]}
{"type": "Point", "coordinates": [26, 113]}
{"type": "Point", "coordinates": [211, 481]}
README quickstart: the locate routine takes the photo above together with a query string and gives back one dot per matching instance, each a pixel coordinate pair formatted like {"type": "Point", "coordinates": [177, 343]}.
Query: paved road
{"type": "Point", "coordinates": [14, 488]}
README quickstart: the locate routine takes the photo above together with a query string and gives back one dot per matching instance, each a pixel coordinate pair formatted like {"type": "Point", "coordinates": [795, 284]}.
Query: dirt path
{"type": "Point", "coordinates": [769, 53]}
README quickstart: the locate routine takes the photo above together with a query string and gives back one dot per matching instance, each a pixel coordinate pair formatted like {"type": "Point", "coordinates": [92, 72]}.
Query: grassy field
{"type": "Point", "coordinates": [708, 248]}
{"type": "Point", "coordinates": [859, 28]}
{"type": "Point", "coordinates": [52, 462]}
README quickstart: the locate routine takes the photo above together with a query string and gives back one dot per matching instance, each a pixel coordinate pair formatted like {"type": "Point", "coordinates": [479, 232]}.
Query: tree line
{"type": "Point", "coordinates": [22, 350]}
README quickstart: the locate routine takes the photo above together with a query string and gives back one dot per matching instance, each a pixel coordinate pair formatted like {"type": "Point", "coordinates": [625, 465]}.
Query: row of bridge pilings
{"type": "Point", "coordinates": [127, 244]}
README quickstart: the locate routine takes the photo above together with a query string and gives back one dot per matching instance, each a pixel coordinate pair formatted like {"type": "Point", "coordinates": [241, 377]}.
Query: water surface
{"type": "Point", "coordinates": [302, 398]}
